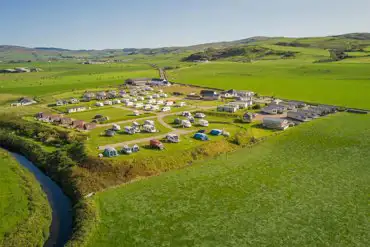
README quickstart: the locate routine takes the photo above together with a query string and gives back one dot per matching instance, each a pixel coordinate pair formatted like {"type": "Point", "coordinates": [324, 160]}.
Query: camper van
{"type": "Point", "coordinates": [186, 123]}
{"type": "Point", "coordinates": [129, 130]}
{"type": "Point", "coordinates": [149, 128]}
{"type": "Point", "coordinates": [203, 123]}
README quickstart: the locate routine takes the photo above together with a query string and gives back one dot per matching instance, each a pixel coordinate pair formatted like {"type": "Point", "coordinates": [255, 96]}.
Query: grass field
{"type": "Point", "coordinates": [24, 210]}
{"type": "Point", "coordinates": [345, 83]}
{"type": "Point", "coordinates": [114, 114]}
{"type": "Point", "coordinates": [69, 76]}
{"type": "Point", "coordinates": [97, 137]}
{"type": "Point", "coordinates": [306, 187]}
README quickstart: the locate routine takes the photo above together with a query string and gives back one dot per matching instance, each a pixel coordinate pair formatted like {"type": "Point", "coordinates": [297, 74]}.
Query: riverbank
{"type": "Point", "coordinates": [61, 224]}
{"type": "Point", "coordinates": [24, 210]}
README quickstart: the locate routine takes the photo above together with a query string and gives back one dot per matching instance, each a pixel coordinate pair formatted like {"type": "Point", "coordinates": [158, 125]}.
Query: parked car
{"type": "Point", "coordinates": [200, 115]}
{"type": "Point", "coordinates": [126, 149]}
{"type": "Point", "coordinates": [186, 114]}
{"type": "Point", "coordinates": [156, 144]}
{"type": "Point", "coordinates": [129, 130]}
{"type": "Point", "coordinates": [135, 148]}
{"type": "Point", "coordinates": [116, 127]}
{"type": "Point", "coordinates": [166, 109]}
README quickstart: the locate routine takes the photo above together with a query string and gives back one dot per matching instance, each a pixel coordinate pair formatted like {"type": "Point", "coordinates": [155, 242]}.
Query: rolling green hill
{"type": "Point", "coordinates": [16, 53]}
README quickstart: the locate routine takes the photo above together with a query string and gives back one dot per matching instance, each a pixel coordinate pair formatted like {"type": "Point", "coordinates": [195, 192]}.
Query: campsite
{"type": "Point", "coordinates": [218, 143]}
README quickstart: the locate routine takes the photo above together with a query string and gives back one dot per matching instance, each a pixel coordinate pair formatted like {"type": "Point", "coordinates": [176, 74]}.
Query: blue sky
{"type": "Point", "coordinates": [99, 24]}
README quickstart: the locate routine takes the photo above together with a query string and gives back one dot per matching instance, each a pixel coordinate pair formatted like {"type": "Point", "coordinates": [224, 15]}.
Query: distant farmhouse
{"type": "Point", "coordinates": [24, 101]}
{"type": "Point", "coordinates": [146, 81]}
{"type": "Point", "coordinates": [20, 70]}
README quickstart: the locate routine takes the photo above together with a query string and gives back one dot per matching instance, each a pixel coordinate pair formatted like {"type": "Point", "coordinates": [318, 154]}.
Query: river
{"type": "Point", "coordinates": [61, 225]}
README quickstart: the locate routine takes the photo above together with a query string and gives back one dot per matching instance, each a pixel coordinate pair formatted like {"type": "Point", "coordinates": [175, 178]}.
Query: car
{"type": "Point", "coordinates": [200, 115]}
{"type": "Point", "coordinates": [126, 149]}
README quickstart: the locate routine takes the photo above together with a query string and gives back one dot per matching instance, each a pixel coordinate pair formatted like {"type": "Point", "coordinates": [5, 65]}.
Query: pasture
{"type": "Point", "coordinates": [114, 113]}
{"type": "Point", "coordinates": [24, 210]}
{"type": "Point", "coordinates": [70, 76]}
{"type": "Point", "coordinates": [307, 186]}
{"type": "Point", "coordinates": [341, 83]}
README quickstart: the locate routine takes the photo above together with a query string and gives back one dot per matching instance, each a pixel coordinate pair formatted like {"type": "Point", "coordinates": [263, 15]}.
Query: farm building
{"type": "Point", "coordinates": [55, 118]}
{"type": "Point", "coordinates": [101, 95]}
{"type": "Point", "coordinates": [88, 96]}
{"type": "Point", "coordinates": [299, 115]}
{"type": "Point", "coordinates": [245, 94]}
{"type": "Point", "coordinates": [209, 95]}
{"type": "Point", "coordinates": [241, 104]}
{"type": "Point", "coordinates": [78, 124]}
{"type": "Point", "coordinates": [274, 109]}
{"type": "Point", "coordinates": [89, 126]}
{"type": "Point", "coordinates": [227, 108]}
{"type": "Point", "coordinates": [112, 94]}
{"type": "Point", "coordinates": [110, 152]}
{"type": "Point", "coordinates": [275, 123]}
{"type": "Point", "coordinates": [24, 102]}
{"type": "Point", "coordinates": [159, 82]}
{"type": "Point", "coordinates": [137, 81]}
{"type": "Point", "coordinates": [193, 96]}
{"type": "Point", "coordinates": [61, 102]}
{"type": "Point", "coordinates": [44, 117]}
{"type": "Point", "coordinates": [76, 109]}
{"type": "Point", "coordinates": [229, 94]}
{"type": "Point", "coordinates": [248, 117]}
{"type": "Point", "coordinates": [66, 121]}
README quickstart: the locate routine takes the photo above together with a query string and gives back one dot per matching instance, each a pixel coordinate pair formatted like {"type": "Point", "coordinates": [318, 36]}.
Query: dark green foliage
{"type": "Point", "coordinates": [256, 107]}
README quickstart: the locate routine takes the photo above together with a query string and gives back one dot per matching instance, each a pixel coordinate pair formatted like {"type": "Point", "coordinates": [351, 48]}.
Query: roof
{"type": "Point", "coordinates": [213, 92]}
{"type": "Point", "coordinates": [275, 120]}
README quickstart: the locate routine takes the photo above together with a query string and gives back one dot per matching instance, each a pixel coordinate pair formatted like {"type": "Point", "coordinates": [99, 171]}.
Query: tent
{"type": "Point", "coordinates": [201, 136]}
{"type": "Point", "coordinates": [216, 132]}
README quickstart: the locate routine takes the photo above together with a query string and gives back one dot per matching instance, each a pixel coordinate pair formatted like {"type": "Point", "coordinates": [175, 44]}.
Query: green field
{"type": "Point", "coordinates": [114, 114]}
{"type": "Point", "coordinates": [308, 186]}
{"type": "Point", "coordinates": [344, 84]}
{"type": "Point", "coordinates": [69, 76]}
{"type": "Point", "coordinates": [24, 210]}
{"type": "Point", "coordinates": [97, 137]}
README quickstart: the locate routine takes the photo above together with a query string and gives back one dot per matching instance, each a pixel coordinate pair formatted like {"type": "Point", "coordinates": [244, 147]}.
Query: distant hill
{"type": "Point", "coordinates": [357, 41]}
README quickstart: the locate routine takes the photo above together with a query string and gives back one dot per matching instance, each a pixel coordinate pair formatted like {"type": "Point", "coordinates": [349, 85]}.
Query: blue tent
{"type": "Point", "coordinates": [201, 136]}
{"type": "Point", "coordinates": [216, 132]}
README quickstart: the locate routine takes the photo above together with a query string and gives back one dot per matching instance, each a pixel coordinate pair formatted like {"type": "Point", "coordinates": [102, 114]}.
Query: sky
{"type": "Point", "coordinates": [101, 24]}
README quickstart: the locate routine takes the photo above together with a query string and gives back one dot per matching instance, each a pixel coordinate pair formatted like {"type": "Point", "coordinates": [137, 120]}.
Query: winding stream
{"type": "Point", "coordinates": [61, 225]}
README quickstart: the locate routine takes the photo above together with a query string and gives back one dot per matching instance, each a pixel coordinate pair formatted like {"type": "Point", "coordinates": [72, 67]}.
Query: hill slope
{"type": "Point", "coordinates": [8, 52]}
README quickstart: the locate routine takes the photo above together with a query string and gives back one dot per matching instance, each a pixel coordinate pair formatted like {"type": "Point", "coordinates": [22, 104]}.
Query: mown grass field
{"type": "Point", "coordinates": [24, 210]}
{"type": "Point", "coordinates": [344, 84]}
{"type": "Point", "coordinates": [306, 187]}
{"type": "Point", "coordinates": [114, 114]}
{"type": "Point", "coordinates": [69, 76]}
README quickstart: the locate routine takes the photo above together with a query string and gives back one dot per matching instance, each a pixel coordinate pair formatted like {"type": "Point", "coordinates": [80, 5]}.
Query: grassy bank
{"type": "Point", "coordinates": [24, 210]}
{"type": "Point", "coordinates": [305, 187]}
